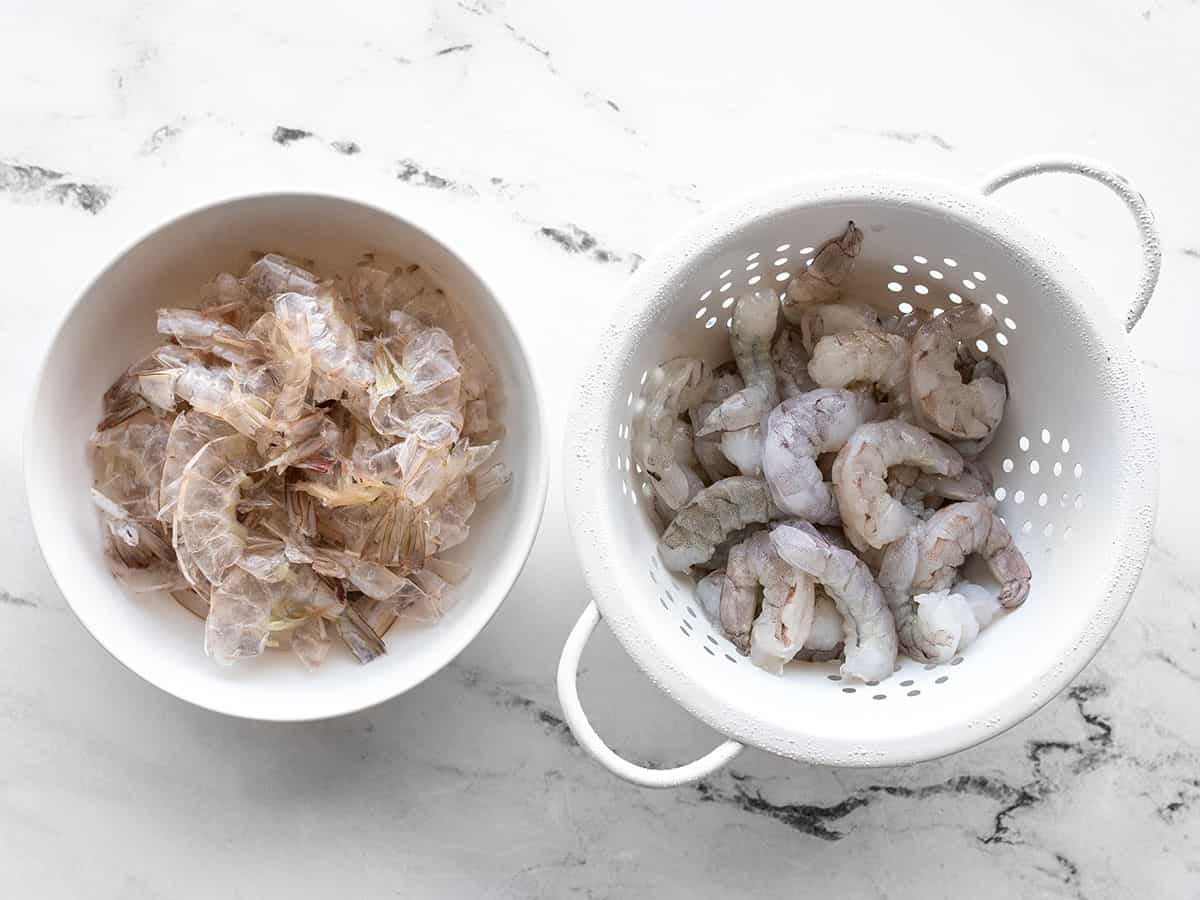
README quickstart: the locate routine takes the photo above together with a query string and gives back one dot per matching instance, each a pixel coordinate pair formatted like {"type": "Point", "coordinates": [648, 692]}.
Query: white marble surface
{"type": "Point", "coordinates": [508, 124]}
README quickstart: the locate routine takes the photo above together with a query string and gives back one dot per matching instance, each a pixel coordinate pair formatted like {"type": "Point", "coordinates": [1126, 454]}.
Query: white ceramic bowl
{"type": "Point", "coordinates": [112, 324]}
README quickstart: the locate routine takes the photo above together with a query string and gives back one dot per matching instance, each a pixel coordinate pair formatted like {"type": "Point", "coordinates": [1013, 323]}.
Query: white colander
{"type": "Point", "coordinates": [1074, 465]}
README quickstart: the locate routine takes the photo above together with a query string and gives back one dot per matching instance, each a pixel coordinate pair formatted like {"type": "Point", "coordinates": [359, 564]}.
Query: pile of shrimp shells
{"type": "Point", "coordinates": [295, 457]}
{"type": "Point", "coordinates": [825, 478]}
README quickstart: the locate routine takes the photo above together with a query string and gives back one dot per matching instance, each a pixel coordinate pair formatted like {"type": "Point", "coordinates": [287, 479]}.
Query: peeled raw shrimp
{"type": "Point", "coordinates": [960, 530]}
{"type": "Point", "coordinates": [716, 465]}
{"type": "Point", "coordinates": [739, 417]}
{"type": "Point", "coordinates": [673, 387]}
{"type": "Point", "coordinates": [942, 402]}
{"type": "Point", "coordinates": [709, 517]}
{"type": "Point", "coordinates": [791, 364]}
{"type": "Point", "coordinates": [870, 515]}
{"type": "Point", "coordinates": [780, 629]}
{"type": "Point", "coordinates": [821, 282]}
{"type": "Point", "coordinates": [783, 624]}
{"type": "Point", "coordinates": [868, 629]}
{"type": "Point", "coordinates": [825, 319]}
{"type": "Point", "coordinates": [956, 615]}
{"type": "Point", "coordinates": [859, 358]}
{"type": "Point", "coordinates": [797, 432]}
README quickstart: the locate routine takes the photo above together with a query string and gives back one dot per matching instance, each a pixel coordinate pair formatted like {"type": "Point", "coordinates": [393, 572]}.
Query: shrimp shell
{"type": "Point", "coordinates": [821, 282]}
{"type": "Point", "coordinates": [870, 514]}
{"type": "Point", "coordinates": [709, 517]}
{"type": "Point", "coordinates": [869, 631]}
{"type": "Point", "coordinates": [960, 530]}
{"type": "Point", "coordinates": [942, 402]}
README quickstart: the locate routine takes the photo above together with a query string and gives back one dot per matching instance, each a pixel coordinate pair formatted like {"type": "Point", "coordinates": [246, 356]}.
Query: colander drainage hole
{"type": "Point", "coordinates": [730, 658]}
{"type": "Point", "coordinates": [664, 604]}
{"type": "Point", "coordinates": [691, 612]}
{"type": "Point", "coordinates": [956, 660]}
{"type": "Point", "coordinates": [834, 677]}
{"type": "Point", "coordinates": [914, 693]}
{"type": "Point", "coordinates": [847, 690]}
{"type": "Point", "coordinates": [708, 650]}
{"type": "Point", "coordinates": [686, 633]}
{"type": "Point", "coordinates": [872, 684]}
{"type": "Point", "coordinates": [929, 667]}
{"type": "Point", "coordinates": [712, 640]}
{"type": "Point", "coordinates": [906, 683]}
{"type": "Point", "coordinates": [879, 697]}
{"type": "Point", "coordinates": [941, 680]}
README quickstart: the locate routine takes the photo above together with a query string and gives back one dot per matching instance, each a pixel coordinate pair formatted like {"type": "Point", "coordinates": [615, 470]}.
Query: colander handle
{"type": "Point", "coordinates": [577, 720]}
{"type": "Point", "coordinates": [1077, 165]}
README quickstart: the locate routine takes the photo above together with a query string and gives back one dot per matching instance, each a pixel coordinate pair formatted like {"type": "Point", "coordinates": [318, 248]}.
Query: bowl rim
{"type": "Point", "coordinates": [589, 443]}
{"type": "Point", "coordinates": [539, 491]}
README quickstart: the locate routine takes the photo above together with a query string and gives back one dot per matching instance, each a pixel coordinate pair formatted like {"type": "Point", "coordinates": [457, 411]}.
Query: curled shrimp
{"type": "Point", "coordinates": [821, 282]}
{"type": "Point", "coordinates": [791, 365]}
{"type": "Point", "coordinates": [941, 400]}
{"type": "Point", "coordinates": [860, 358]}
{"type": "Point", "coordinates": [725, 382]}
{"type": "Point", "coordinates": [871, 516]}
{"type": "Point", "coordinates": [676, 385]}
{"type": "Point", "coordinates": [779, 630]}
{"type": "Point", "coordinates": [797, 432]}
{"type": "Point", "coordinates": [825, 319]}
{"type": "Point", "coordinates": [869, 631]}
{"type": "Point", "coordinates": [960, 530]}
{"type": "Point", "coordinates": [712, 515]}
{"type": "Point", "coordinates": [754, 320]}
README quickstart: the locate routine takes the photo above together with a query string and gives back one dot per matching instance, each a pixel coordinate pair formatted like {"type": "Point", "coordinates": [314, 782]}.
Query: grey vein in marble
{"type": "Point", "coordinates": [13, 600]}
{"type": "Point", "coordinates": [284, 136]}
{"type": "Point", "coordinates": [38, 183]}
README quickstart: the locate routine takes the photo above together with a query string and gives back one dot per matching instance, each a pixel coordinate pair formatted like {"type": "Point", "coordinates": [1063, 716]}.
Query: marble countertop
{"type": "Point", "coordinates": [559, 143]}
